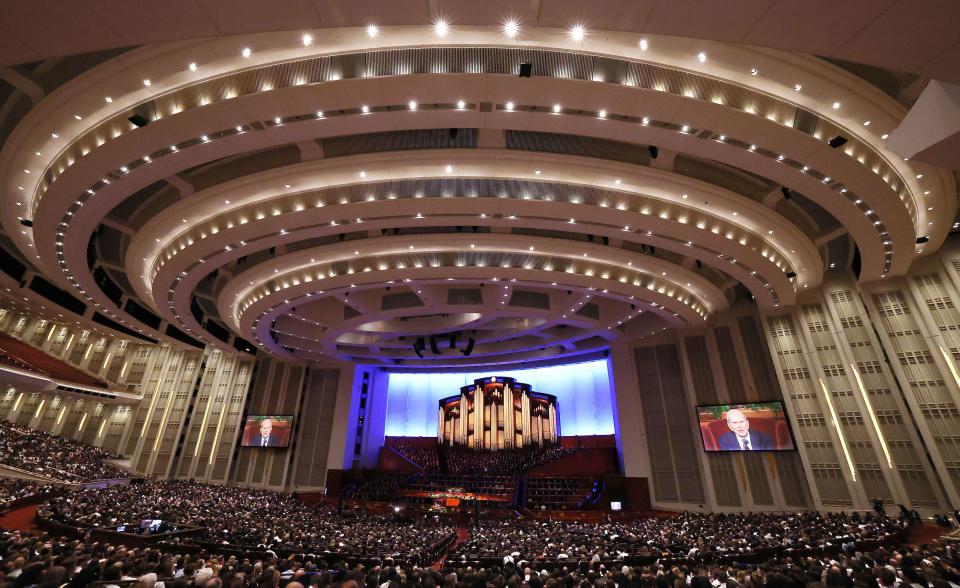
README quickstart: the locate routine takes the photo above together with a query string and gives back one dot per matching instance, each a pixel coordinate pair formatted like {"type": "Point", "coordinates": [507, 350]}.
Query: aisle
{"type": "Point", "coordinates": [463, 535]}
{"type": "Point", "coordinates": [21, 519]}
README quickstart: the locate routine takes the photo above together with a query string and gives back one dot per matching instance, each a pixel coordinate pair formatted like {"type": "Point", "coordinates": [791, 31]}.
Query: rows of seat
{"type": "Point", "coordinates": [24, 356]}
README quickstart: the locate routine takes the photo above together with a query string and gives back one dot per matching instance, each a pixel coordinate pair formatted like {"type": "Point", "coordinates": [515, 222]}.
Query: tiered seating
{"type": "Point", "coordinates": [57, 457]}
{"type": "Point", "coordinates": [462, 460]}
{"type": "Point", "coordinates": [24, 356]}
{"type": "Point", "coordinates": [557, 493]}
{"type": "Point", "coordinates": [425, 457]}
{"type": "Point", "coordinates": [13, 490]}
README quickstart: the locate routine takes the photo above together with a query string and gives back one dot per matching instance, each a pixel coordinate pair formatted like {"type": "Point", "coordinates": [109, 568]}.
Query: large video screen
{"type": "Point", "coordinates": [267, 431]}
{"type": "Point", "coordinates": [754, 426]}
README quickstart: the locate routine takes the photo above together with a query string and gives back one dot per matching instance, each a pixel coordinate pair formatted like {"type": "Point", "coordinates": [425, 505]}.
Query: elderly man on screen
{"type": "Point", "coordinates": [266, 437]}
{"type": "Point", "coordinates": [740, 437]}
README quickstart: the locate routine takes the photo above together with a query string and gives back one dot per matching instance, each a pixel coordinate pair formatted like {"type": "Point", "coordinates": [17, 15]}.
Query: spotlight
{"type": "Point", "coordinates": [469, 349]}
{"type": "Point", "coordinates": [434, 347]}
{"type": "Point", "coordinates": [526, 70]}
{"type": "Point", "coordinates": [837, 141]}
{"type": "Point", "coordinates": [654, 152]}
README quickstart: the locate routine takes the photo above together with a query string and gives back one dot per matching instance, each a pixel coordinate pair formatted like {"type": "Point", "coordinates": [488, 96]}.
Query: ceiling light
{"type": "Point", "coordinates": [836, 105]}
{"type": "Point", "coordinates": [797, 87]}
{"type": "Point", "coordinates": [602, 113]}
{"type": "Point", "coordinates": [412, 105]}
{"type": "Point", "coordinates": [919, 176]}
{"type": "Point", "coordinates": [643, 44]}
{"type": "Point", "coordinates": [511, 28]}
{"type": "Point", "coordinates": [702, 57]}
{"type": "Point", "coordinates": [363, 174]}
{"type": "Point", "coordinates": [109, 100]}
{"type": "Point", "coordinates": [441, 27]}
{"type": "Point", "coordinates": [246, 52]}
{"type": "Point", "coordinates": [577, 32]}
{"type": "Point", "coordinates": [307, 39]}
{"type": "Point", "coordinates": [461, 104]}
{"type": "Point", "coordinates": [866, 123]}
{"type": "Point", "coordinates": [509, 105]}
{"type": "Point", "coordinates": [365, 109]}
{"type": "Point", "coordinates": [884, 136]}
{"type": "Point", "coordinates": [373, 30]}
{"type": "Point", "coordinates": [146, 83]}
{"type": "Point", "coordinates": [556, 108]}
{"type": "Point", "coordinates": [685, 128]}
{"type": "Point", "coordinates": [449, 169]}
{"type": "Point", "coordinates": [754, 71]}
{"type": "Point", "coordinates": [645, 120]}
{"type": "Point", "coordinates": [193, 66]}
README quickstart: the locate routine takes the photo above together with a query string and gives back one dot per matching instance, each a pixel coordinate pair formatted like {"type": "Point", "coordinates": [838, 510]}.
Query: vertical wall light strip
{"type": "Point", "coordinates": [950, 362]}
{"type": "Point", "coordinates": [203, 423]}
{"type": "Point", "coordinates": [86, 353]}
{"type": "Point", "coordinates": [53, 328]}
{"type": "Point", "coordinates": [873, 416]}
{"type": "Point", "coordinates": [123, 370]}
{"type": "Point", "coordinates": [17, 403]}
{"type": "Point", "coordinates": [83, 421]}
{"type": "Point", "coordinates": [103, 423]}
{"type": "Point", "coordinates": [153, 399]}
{"type": "Point", "coordinates": [163, 420]}
{"type": "Point", "coordinates": [62, 411]}
{"type": "Point", "coordinates": [216, 437]}
{"type": "Point", "coordinates": [39, 408]}
{"type": "Point", "coordinates": [836, 425]}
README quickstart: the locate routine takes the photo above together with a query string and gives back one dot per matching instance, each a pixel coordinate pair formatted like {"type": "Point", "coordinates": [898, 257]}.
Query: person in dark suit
{"type": "Point", "coordinates": [266, 437]}
{"type": "Point", "coordinates": [740, 437]}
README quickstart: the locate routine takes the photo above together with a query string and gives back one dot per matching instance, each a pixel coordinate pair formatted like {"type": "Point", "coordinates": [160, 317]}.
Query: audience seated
{"type": "Point", "coordinates": [425, 457]}
{"type": "Point", "coordinates": [463, 460]}
{"type": "Point", "coordinates": [802, 550]}
{"type": "Point", "coordinates": [60, 458]}
{"type": "Point", "coordinates": [14, 489]}
{"type": "Point", "coordinates": [248, 517]}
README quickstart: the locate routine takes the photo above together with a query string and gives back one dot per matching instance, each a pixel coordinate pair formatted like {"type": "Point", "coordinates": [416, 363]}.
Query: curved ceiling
{"type": "Point", "coordinates": [902, 35]}
{"type": "Point", "coordinates": [342, 197]}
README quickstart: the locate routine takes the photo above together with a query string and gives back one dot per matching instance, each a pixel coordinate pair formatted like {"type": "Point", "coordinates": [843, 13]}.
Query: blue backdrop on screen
{"type": "Point", "coordinates": [582, 389]}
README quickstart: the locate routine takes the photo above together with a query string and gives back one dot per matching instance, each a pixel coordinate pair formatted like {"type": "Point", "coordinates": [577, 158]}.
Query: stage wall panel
{"type": "Point", "coordinates": [582, 391]}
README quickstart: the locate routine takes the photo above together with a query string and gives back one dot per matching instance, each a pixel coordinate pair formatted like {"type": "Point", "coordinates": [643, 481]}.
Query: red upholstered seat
{"type": "Point", "coordinates": [24, 356]}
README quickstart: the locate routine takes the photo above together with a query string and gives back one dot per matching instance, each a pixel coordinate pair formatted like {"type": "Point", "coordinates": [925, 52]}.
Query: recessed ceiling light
{"type": "Point", "coordinates": [109, 99]}
{"type": "Point", "coordinates": [836, 105]}
{"type": "Point", "coordinates": [754, 71]}
{"type": "Point", "coordinates": [306, 39]}
{"type": "Point", "coordinates": [702, 57]}
{"type": "Point", "coordinates": [509, 105]}
{"type": "Point", "coordinates": [602, 113]}
{"type": "Point", "coordinates": [193, 66]}
{"type": "Point", "coordinates": [461, 104]}
{"type": "Point", "coordinates": [884, 136]}
{"type": "Point", "coordinates": [365, 109]}
{"type": "Point", "coordinates": [441, 27]}
{"type": "Point", "coordinates": [577, 32]}
{"type": "Point", "coordinates": [246, 52]}
{"type": "Point", "coordinates": [684, 128]}
{"type": "Point", "coordinates": [797, 87]}
{"type": "Point", "coordinates": [556, 108]}
{"type": "Point", "coordinates": [866, 123]}
{"type": "Point", "coordinates": [412, 105]}
{"type": "Point", "coordinates": [643, 44]}
{"type": "Point", "coordinates": [146, 83]}
{"type": "Point", "coordinates": [511, 28]}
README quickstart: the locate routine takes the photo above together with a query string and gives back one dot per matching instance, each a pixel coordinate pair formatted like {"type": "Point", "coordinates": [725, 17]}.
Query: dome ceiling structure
{"type": "Point", "coordinates": [339, 194]}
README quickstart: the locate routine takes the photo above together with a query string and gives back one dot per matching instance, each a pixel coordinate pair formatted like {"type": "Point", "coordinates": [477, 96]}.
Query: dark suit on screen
{"type": "Point", "coordinates": [758, 441]}
{"type": "Point", "coordinates": [271, 441]}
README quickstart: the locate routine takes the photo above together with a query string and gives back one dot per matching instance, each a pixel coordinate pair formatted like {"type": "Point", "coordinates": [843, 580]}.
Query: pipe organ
{"type": "Point", "coordinates": [498, 413]}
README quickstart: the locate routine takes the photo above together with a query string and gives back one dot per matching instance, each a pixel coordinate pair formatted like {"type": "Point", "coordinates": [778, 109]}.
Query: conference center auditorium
{"type": "Point", "coordinates": [480, 294]}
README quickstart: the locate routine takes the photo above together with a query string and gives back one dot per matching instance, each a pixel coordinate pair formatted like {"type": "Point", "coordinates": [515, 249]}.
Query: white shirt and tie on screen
{"type": "Point", "coordinates": [740, 437]}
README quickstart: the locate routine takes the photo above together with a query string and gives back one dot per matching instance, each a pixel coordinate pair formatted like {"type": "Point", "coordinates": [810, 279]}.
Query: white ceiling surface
{"type": "Point", "coordinates": [916, 36]}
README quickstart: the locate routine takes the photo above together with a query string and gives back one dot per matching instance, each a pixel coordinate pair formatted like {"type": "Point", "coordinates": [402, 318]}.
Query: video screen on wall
{"type": "Point", "coordinates": [267, 431]}
{"type": "Point", "coordinates": [754, 426]}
